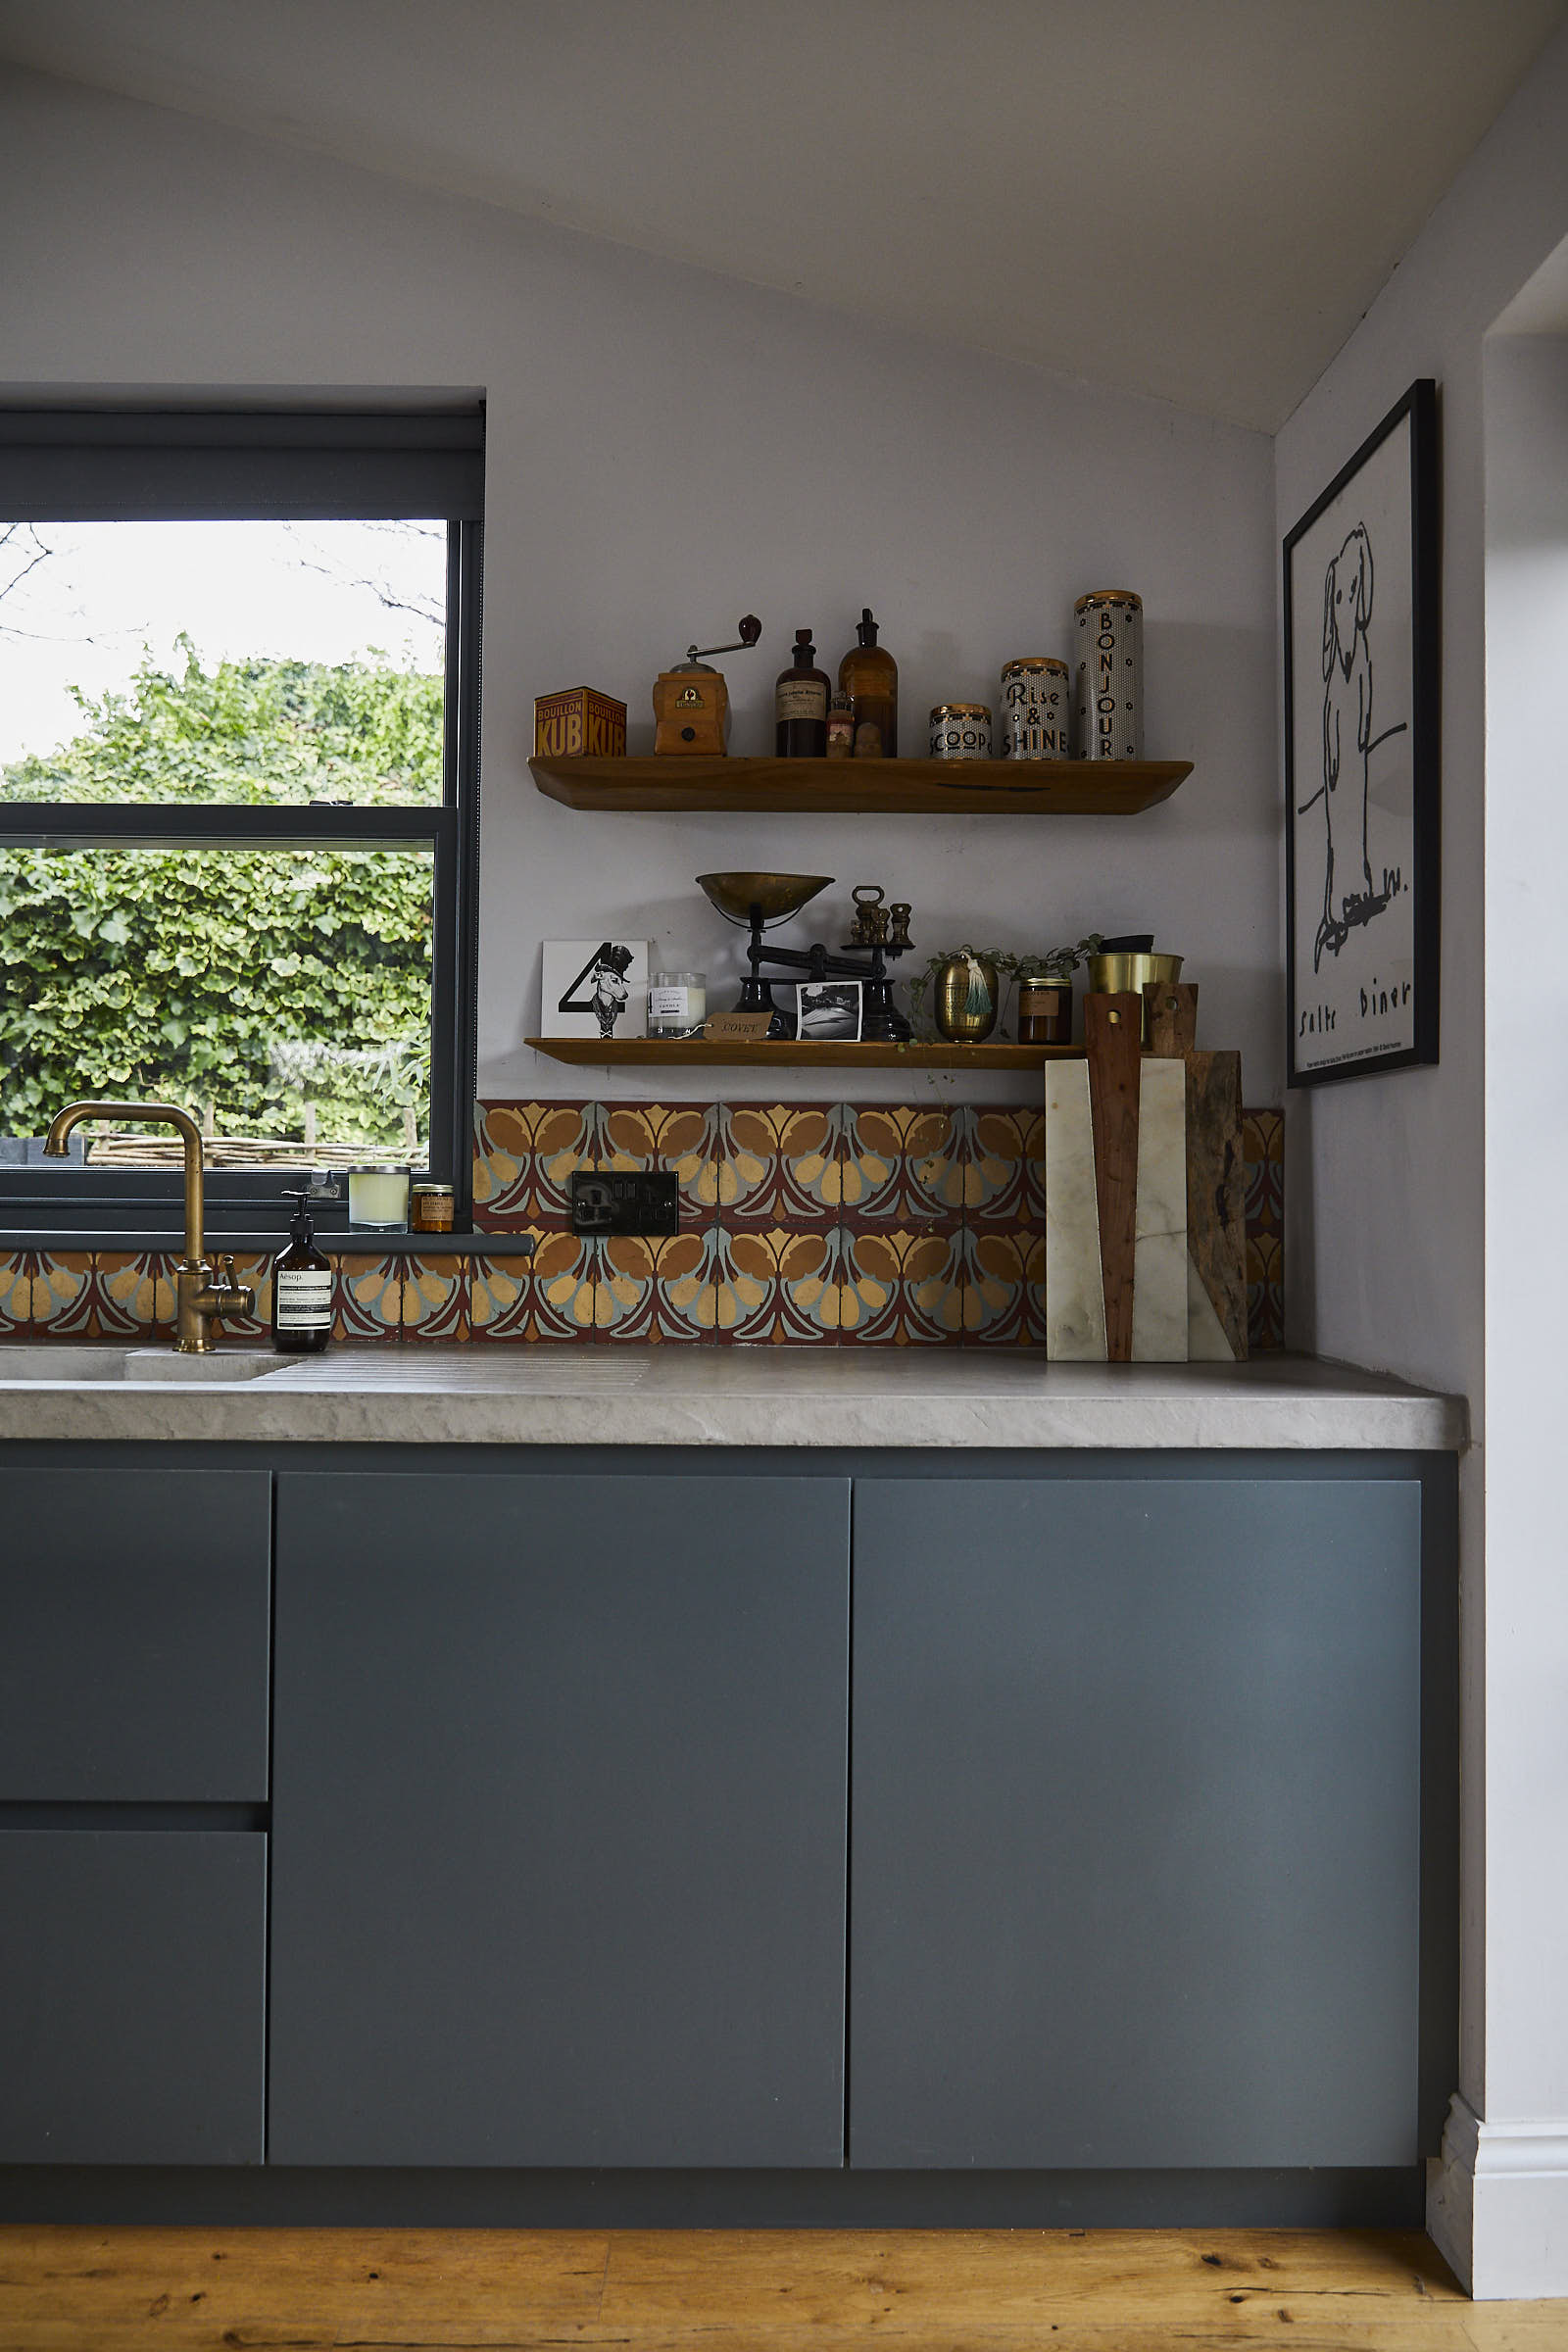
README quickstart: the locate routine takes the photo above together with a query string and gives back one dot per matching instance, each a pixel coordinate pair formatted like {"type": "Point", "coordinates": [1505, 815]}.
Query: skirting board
{"type": "Point", "coordinates": [1497, 2204]}
{"type": "Point", "coordinates": [234, 2196]}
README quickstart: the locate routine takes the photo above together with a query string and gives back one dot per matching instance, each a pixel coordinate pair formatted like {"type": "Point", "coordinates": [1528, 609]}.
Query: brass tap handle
{"type": "Point", "coordinates": [233, 1298]}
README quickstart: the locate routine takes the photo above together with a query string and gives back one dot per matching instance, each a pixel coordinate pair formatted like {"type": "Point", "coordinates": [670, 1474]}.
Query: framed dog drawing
{"type": "Point", "coordinates": [1362, 828]}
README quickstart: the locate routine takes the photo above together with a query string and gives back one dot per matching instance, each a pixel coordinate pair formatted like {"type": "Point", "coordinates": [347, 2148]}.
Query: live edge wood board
{"type": "Point", "coordinates": [866, 787]}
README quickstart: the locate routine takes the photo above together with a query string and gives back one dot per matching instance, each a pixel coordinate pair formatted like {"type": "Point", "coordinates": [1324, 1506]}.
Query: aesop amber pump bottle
{"type": "Point", "coordinates": [869, 676]}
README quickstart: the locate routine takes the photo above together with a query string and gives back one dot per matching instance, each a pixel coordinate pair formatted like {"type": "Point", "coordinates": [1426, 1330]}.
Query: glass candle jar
{"type": "Point", "coordinates": [379, 1199]}
{"type": "Point", "coordinates": [677, 1003]}
{"type": "Point", "coordinates": [1045, 1010]}
{"type": "Point", "coordinates": [431, 1208]}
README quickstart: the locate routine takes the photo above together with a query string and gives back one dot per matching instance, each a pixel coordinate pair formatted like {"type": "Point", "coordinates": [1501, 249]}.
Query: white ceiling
{"type": "Point", "coordinates": [1190, 198]}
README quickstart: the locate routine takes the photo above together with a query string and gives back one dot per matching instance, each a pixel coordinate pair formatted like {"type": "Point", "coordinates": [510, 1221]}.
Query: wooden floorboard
{"type": "Point", "coordinates": [455, 2290]}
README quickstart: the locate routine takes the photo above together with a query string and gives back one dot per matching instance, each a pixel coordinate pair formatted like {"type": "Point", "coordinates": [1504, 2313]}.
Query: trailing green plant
{"type": "Point", "coordinates": [1057, 963]}
{"type": "Point", "coordinates": [259, 981]}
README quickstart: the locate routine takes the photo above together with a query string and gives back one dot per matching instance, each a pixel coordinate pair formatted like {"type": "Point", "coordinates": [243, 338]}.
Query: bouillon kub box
{"type": "Point", "coordinates": [578, 724]}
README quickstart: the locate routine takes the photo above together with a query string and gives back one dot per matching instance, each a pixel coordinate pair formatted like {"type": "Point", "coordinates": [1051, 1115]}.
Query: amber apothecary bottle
{"type": "Point", "coordinates": [869, 676]}
{"type": "Point", "coordinates": [799, 705]}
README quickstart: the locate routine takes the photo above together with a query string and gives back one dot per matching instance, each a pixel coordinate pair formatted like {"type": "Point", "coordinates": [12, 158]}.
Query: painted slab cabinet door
{"type": "Point", "coordinates": [133, 1634]}
{"type": "Point", "coordinates": [559, 1820]}
{"type": "Point", "coordinates": [132, 1996]}
{"type": "Point", "coordinates": [1136, 1823]}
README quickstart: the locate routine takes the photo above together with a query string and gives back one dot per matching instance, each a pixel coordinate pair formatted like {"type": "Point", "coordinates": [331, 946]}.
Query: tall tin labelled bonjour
{"type": "Point", "coordinates": [1110, 697]}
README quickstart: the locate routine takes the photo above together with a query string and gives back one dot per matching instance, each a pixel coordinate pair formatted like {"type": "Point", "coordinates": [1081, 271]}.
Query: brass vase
{"type": "Point", "coordinates": [965, 1000]}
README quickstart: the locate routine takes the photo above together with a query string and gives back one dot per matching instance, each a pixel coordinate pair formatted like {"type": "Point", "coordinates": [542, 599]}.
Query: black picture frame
{"type": "Point", "coordinates": [1375, 1007]}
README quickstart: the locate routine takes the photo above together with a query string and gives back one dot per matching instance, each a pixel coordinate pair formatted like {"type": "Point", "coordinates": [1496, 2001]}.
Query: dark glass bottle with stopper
{"type": "Point", "coordinates": [869, 676]}
{"type": "Point", "coordinates": [799, 705]}
{"type": "Point", "coordinates": [302, 1288]}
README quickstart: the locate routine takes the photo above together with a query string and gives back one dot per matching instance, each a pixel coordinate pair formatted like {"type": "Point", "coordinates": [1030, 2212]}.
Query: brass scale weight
{"type": "Point", "coordinates": [754, 902]}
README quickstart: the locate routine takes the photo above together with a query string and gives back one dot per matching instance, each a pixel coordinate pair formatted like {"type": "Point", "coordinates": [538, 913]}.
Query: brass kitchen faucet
{"type": "Point", "coordinates": [202, 1289]}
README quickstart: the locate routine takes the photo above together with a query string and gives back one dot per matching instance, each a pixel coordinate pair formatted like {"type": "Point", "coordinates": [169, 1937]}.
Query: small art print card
{"type": "Point", "coordinates": [595, 988]}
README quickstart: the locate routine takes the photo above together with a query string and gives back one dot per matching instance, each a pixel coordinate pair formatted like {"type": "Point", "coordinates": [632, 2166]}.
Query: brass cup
{"type": "Point", "coordinates": [1123, 974]}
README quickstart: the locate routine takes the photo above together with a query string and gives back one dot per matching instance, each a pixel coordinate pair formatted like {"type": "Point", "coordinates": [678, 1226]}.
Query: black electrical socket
{"type": "Point", "coordinates": [648, 1201]}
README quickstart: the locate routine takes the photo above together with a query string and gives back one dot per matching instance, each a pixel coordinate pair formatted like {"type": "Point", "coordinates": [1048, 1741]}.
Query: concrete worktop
{"type": "Point", "coordinates": [669, 1395]}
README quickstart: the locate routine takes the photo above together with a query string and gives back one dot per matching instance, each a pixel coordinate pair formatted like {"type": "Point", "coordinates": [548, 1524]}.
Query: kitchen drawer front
{"type": "Point", "coordinates": [135, 1629]}
{"type": "Point", "coordinates": [132, 1996]}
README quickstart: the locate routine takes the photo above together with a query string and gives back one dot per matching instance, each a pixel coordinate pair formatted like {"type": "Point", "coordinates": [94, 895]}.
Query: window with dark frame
{"type": "Point", "coordinates": [240, 871]}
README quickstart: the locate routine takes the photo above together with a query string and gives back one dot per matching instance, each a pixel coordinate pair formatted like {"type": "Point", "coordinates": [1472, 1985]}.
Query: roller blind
{"type": "Point", "coordinates": [147, 463]}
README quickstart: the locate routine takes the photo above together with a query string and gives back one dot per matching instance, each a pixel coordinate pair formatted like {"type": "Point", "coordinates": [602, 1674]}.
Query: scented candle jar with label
{"type": "Point", "coordinates": [677, 1003]}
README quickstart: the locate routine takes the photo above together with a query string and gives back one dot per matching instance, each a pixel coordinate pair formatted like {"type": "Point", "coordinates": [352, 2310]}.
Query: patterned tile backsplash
{"type": "Point", "coordinates": [837, 1224]}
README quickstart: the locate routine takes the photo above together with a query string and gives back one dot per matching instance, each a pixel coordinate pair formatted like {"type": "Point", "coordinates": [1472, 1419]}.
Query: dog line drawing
{"type": "Point", "coordinates": [1348, 739]}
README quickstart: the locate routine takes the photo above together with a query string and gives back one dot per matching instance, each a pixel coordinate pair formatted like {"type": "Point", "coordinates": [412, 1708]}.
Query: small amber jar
{"type": "Point", "coordinates": [431, 1209]}
{"type": "Point", "coordinates": [1045, 1010]}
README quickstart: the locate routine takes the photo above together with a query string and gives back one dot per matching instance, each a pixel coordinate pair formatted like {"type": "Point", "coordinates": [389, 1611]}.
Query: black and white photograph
{"type": "Point", "coordinates": [828, 1012]}
{"type": "Point", "coordinates": [595, 988]}
{"type": "Point", "coordinates": [1361, 757]}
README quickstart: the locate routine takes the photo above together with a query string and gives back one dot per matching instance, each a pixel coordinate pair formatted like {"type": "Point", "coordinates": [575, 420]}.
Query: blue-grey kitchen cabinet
{"type": "Point", "coordinates": [132, 1996]}
{"type": "Point", "coordinates": [559, 1819]}
{"type": "Point", "coordinates": [134, 1632]}
{"type": "Point", "coordinates": [134, 1629]}
{"type": "Point", "coordinates": [1136, 1823]}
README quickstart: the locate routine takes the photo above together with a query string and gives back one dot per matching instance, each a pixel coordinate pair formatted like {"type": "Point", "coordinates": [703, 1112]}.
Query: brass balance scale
{"type": "Point", "coordinates": [760, 902]}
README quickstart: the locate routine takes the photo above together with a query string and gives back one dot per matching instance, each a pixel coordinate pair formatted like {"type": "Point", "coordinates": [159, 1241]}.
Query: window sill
{"type": "Point", "coordinates": [61, 1239]}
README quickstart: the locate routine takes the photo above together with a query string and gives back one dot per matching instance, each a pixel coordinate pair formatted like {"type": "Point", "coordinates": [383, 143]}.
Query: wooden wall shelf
{"type": "Point", "coordinates": [864, 787]}
{"type": "Point", "coordinates": [788, 1053]}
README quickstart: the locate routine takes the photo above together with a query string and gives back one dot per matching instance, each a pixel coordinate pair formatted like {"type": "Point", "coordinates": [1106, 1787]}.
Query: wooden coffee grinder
{"type": "Point", "coordinates": [691, 703]}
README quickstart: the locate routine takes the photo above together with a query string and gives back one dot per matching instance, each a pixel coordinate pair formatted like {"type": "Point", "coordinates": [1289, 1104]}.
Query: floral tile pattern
{"type": "Point", "coordinates": [16, 1292]}
{"type": "Point", "coordinates": [562, 1291]}
{"type": "Point", "coordinates": [901, 1286]}
{"type": "Point", "coordinates": [63, 1295]}
{"type": "Point", "coordinates": [778, 1282]}
{"type": "Point", "coordinates": [368, 1298]}
{"type": "Point", "coordinates": [435, 1298]}
{"type": "Point", "coordinates": [1004, 1273]}
{"type": "Point", "coordinates": [500, 1297]}
{"type": "Point", "coordinates": [681, 1141]}
{"type": "Point", "coordinates": [658, 1287]}
{"type": "Point", "coordinates": [778, 1164]}
{"type": "Point", "coordinates": [524, 1156]}
{"type": "Point", "coordinates": [1001, 1152]}
{"type": "Point", "coordinates": [832, 1224]}
{"type": "Point", "coordinates": [132, 1293]}
{"type": "Point", "coordinates": [903, 1163]}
